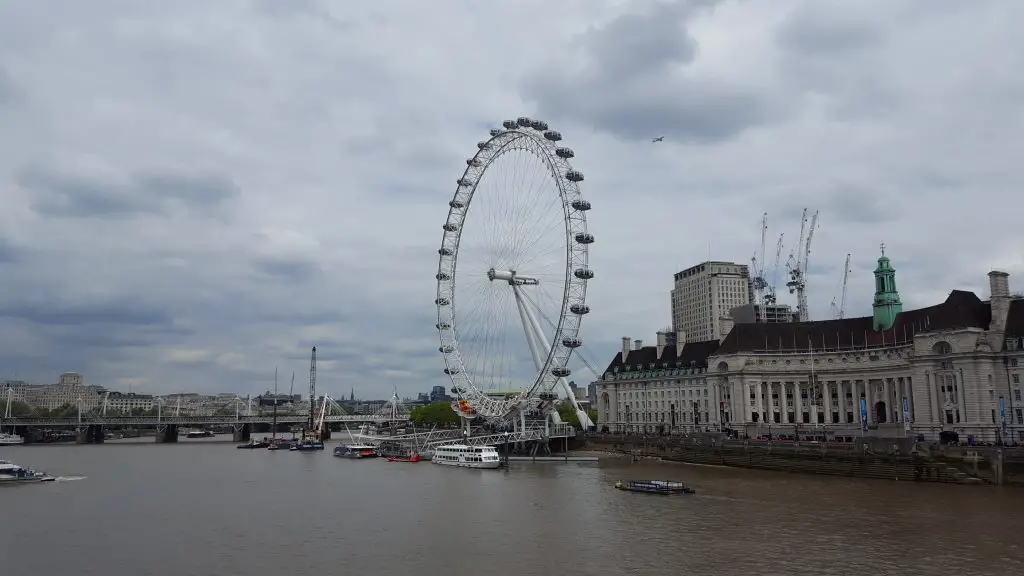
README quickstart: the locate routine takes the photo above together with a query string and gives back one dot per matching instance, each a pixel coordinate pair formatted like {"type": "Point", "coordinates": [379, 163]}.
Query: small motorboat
{"type": "Point", "coordinates": [199, 434]}
{"type": "Point", "coordinates": [664, 487]}
{"type": "Point", "coordinates": [356, 451]}
{"type": "Point", "coordinates": [414, 458]}
{"type": "Point", "coordinates": [13, 474]}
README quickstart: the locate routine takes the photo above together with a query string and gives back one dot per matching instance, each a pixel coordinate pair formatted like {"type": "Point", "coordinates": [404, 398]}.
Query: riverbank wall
{"type": "Point", "coordinates": [896, 459]}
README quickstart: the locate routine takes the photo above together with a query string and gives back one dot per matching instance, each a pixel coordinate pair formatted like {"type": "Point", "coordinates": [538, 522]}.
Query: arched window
{"type": "Point", "coordinates": [942, 348]}
{"type": "Point", "coordinates": [723, 366]}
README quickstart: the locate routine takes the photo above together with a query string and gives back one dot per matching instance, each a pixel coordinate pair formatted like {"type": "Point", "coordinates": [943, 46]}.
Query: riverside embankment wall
{"type": "Point", "coordinates": [890, 459]}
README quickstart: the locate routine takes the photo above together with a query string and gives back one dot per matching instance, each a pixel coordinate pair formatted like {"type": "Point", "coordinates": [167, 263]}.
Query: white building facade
{"type": "Point", "coordinates": [122, 403]}
{"type": "Point", "coordinates": [660, 389]}
{"type": "Point", "coordinates": [956, 367]}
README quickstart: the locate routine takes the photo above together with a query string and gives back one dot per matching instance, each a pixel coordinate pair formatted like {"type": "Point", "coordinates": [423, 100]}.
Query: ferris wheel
{"type": "Point", "coordinates": [517, 234]}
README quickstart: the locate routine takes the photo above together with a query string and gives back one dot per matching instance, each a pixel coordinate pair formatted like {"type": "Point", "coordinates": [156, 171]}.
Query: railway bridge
{"type": "Point", "coordinates": [92, 429]}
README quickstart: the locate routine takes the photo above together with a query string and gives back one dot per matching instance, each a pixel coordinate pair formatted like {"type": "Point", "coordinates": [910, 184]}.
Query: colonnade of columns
{"type": "Point", "coordinates": [827, 402]}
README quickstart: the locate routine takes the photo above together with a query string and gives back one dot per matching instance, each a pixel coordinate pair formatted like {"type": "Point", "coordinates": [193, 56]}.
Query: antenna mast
{"type": "Point", "coordinates": [312, 389]}
{"type": "Point", "coordinates": [273, 425]}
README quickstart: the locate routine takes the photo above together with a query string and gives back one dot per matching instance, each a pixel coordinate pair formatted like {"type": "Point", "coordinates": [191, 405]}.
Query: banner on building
{"type": "Point", "coordinates": [906, 414]}
{"type": "Point", "coordinates": [1002, 411]}
{"type": "Point", "coordinates": [864, 414]}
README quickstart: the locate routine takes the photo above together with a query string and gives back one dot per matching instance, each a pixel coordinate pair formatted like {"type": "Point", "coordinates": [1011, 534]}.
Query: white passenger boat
{"type": "Point", "coordinates": [14, 474]}
{"type": "Point", "coordinates": [465, 456]}
{"type": "Point", "coordinates": [10, 439]}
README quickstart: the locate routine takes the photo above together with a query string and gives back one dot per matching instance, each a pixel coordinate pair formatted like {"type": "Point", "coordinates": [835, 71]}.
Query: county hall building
{"type": "Point", "coordinates": [955, 366]}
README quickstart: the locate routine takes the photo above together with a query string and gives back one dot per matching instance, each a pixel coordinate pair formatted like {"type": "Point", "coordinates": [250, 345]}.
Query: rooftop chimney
{"type": "Point", "coordinates": [662, 342]}
{"type": "Point", "coordinates": [999, 286]}
{"type": "Point", "coordinates": [638, 344]}
{"type": "Point", "coordinates": [625, 348]}
{"type": "Point", "coordinates": [726, 323]}
{"type": "Point", "coordinates": [680, 342]}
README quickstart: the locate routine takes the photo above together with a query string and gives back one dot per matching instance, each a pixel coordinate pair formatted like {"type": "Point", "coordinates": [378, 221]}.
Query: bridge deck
{"type": "Point", "coordinates": [186, 420]}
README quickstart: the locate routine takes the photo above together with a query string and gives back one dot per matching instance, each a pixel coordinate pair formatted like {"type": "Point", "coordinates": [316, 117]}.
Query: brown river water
{"type": "Point", "coordinates": [204, 508]}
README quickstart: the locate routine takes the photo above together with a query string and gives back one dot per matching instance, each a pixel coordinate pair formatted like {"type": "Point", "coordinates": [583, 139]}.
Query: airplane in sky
{"type": "Point", "coordinates": [658, 139]}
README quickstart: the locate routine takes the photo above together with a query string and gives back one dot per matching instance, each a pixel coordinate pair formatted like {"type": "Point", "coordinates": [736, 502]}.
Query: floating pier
{"type": "Point", "coordinates": [551, 458]}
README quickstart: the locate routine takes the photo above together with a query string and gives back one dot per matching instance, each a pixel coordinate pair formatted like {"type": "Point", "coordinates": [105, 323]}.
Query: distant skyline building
{"type": "Point", "coordinates": [705, 293]}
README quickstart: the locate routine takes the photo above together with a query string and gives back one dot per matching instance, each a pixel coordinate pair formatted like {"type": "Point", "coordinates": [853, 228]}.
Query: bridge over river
{"type": "Point", "coordinates": [92, 429]}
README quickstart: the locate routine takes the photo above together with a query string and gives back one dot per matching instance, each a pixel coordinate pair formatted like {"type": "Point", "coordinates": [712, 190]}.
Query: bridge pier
{"type": "Point", "coordinates": [325, 432]}
{"type": "Point", "coordinates": [241, 432]}
{"type": "Point", "coordinates": [166, 433]}
{"type": "Point", "coordinates": [91, 434]}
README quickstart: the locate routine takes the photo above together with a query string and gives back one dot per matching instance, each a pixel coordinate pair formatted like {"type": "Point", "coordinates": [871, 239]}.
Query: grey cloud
{"type": "Point", "coordinates": [286, 269]}
{"type": "Point", "coordinates": [8, 89]}
{"type": "Point", "coordinates": [818, 30]}
{"type": "Point", "coordinates": [56, 193]}
{"type": "Point", "coordinates": [9, 251]}
{"type": "Point", "coordinates": [631, 86]}
{"type": "Point", "coordinates": [346, 133]}
{"type": "Point", "coordinates": [849, 202]}
{"type": "Point", "coordinates": [76, 314]}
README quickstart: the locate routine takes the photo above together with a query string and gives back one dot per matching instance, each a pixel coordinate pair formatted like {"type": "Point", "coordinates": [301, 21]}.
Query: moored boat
{"type": "Point", "coordinates": [663, 487]}
{"type": "Point", "coordinates": [279, 444]}
{"type": "Point", "coordinates": [355, 451]}
{"type": "Point", "coordinates": [414, 458]}
{"type": "Point", "coordinates": [306, 445]}
{"type": "Point", "coordinates": [10, 439]}
{"type": "Point", "coordinates": [13, 474]}
{"type": "Point", "coordinates": [254, 445]}
{"type": "Point", "coordinates": [199, 434]}
{"type": "Point", "coordinates": [464, 456]}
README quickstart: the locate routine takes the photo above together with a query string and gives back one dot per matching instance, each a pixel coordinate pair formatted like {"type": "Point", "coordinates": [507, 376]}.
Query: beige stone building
{"type": "Point", "coordinates": [952, 367]}
{"type": "Point", "coordinates": [704, 294]}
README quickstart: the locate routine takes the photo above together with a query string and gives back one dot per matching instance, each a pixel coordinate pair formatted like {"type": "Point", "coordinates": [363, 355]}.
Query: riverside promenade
{"type": "Point", "coordinates": [884, 458]}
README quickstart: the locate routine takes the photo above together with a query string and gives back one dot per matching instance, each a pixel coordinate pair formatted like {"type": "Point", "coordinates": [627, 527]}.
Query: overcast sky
{"type": "Point", "coordinates": [195, 192]}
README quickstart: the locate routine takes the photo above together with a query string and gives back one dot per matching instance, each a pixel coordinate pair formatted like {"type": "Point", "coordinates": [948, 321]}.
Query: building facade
{"type": "Point", "coordinates": [662, 388]}
{"type": "Point", "coordinates": [705, 293]}
{"type": "Point", "coordinates": [953, 367]}
{"type": "Point", "coordinates": [127, 403]}
{"type": "Point", "coordinates": [70, 390]}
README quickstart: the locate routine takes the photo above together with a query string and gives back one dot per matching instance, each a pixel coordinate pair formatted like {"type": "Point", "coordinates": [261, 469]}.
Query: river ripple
{"type": "Point", "coordinates": [204, 508]}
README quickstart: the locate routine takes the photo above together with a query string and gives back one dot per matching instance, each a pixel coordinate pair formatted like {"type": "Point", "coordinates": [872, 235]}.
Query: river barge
{"type": "Point", "coordinates": [663, 487]}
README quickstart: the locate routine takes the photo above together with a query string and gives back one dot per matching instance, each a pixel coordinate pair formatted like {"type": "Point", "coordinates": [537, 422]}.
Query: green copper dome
{"type": "Point", "coordinates": [887, 303]}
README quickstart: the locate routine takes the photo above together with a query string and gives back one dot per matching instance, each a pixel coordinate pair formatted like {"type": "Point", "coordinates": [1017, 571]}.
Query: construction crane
{"type": "Point", "coordinates": [770, 298]}
{"type": "Point", "coordinates": [312, 390]}
{"type": "Point", "coordinates": [839, 310]}
{"type": "Point", "coordinates": [797, 265]}
{"type": "Point", "coordinates": [758, 282]}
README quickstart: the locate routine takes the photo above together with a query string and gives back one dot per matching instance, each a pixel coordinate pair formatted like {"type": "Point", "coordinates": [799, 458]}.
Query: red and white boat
{"type": "Point", "coordinates": [414, 458]}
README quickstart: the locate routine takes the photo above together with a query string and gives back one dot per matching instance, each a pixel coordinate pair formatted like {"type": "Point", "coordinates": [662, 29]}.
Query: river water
{"type": "Point", "coordinates": [204, 508]}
